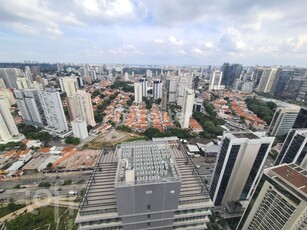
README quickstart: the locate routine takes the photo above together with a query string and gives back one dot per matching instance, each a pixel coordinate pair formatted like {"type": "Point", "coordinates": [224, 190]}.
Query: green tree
{"type": "Point", "coordinates": [72, 140]}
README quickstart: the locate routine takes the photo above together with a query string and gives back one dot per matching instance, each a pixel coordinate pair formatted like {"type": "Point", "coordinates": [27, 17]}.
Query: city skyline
{"type": "Point", "coordinates": [173, 33]}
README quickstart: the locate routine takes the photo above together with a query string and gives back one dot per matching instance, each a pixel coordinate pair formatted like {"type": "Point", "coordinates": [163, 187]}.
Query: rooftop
{"type": "Point", "coordinates": [245, 135]}
{"type": "Point", "coordinates": [145, 162]}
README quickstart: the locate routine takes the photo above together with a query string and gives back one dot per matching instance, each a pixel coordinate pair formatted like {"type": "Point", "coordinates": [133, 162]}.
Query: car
{"type": "Point", "coordinates": [2, 190]}
{"type": "Point", "coordinates": [198, 166]}
{"type": "Point", "coordinates": [38, 196]}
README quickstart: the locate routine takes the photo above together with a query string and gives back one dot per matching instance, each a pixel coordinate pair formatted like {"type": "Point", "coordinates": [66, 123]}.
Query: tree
{"type": "Point", "coordinates": [96, 93]}
{"type": "Point", "coordinates": [72, 140]}
{"type": "Point", "coordinates": [49, 165]}
{"type": "Point", "coordinates": [89, 128]}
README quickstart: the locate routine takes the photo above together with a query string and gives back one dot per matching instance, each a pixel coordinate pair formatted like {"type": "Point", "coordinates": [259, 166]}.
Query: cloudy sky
{"type": "Point", "coordinates": [200, 32]}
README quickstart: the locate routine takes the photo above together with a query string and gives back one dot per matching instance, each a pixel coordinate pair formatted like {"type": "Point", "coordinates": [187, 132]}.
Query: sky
{"type": "Point", "coordinates": [166, 32]}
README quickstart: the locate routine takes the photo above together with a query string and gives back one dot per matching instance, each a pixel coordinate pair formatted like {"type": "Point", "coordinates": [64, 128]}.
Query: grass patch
{"type": "Point", "coordinates": [67, 182]}
{"type": "Point", "coordinates": [38, 219]}
{"type": "Point", "coordinates": [11, 207]}
{"type": "Point", "coordinates": [81, 182]}
{"type": "Point", "coordinates": [67, 221]}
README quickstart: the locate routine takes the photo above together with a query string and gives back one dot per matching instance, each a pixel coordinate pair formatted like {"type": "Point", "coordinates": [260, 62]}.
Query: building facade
{"type": "Point", "coordinates": [157, 89]}
{"type": "Point", "coordinates": [215, 80]}
{"type": "Point", "coordinates": [267, 79]}
{"type": "Point", "coordinates": [187, 108]}
{"type": "Point", "coordinates": [8, 127]}
{"type": "Point", "coordinates": [79, 128]}
{"type": "Point", "coordinates": [69, 85]}
{"type": "Point", "coordinates": [301, 119]}
{"type": "Point", "coordinates": [143, 82]}
{"type": "Point", "coordinates": [137, 92]}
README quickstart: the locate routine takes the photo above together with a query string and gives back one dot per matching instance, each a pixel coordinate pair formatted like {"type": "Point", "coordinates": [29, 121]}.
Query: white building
{"type": "Point", "coordinates": [157, 89]}
{"type": "Point", "coordinates": [53, 111]}
{"type": "Point", "coordinates": [172, 89]}
{"type": "Point", "coordinates": [137, 92]}
{"type": "Point", "coordinates": [8, 95]}
{"type": "Point", "coordinates": [283, 120]}
{"type": "Point", "coordinates": [239, 164]}
{"type": "Point", "coordinates": [215, 80]}
{"type": "Point", "coordinates": [79, 105]}
{"type": "Point", "coordinates": [9, 76]}
{"type": "Point", "coordinates": [2, 84]}
{"type": "Point", "coordinates": [183, 83]}
{"type": "Point", "coordinates": [279, 201]}
{"type": "Point", "coordinates": [247, 87]}
{"type": "Point", "coordinates": [143, 82]}
{"type": "Point", "coordinates": [79, 128]}
{"type": "Point", "coordinates": [23, 83]}
{"type": "Point", "coordinates": [69, 85]}
{"type": "Point", "coordinates": [8, 127]}
{"type": "Point", "coordinates": [187, 108]}
{"type": "Point", "coordinates": [30, 106]}
{"type": "Point", "coordinates": [267, 79]}
{"type": "Point", "coordinates": [126, 76]}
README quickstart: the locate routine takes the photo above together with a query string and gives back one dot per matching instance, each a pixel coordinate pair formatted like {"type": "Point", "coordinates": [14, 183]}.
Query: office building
{"type": "Point", "coordinates": [79, 105]}
{"type": "Point", "coordinates": [282, 79]}
{"type": "Point", "coordinates": [172, 89]}
{"type": "Point", "coordinates": [69, 85]}
{"type": "Point", "coordinates": [294, 148]}
{"type": "Point", "coordinates": [187, 108]}
{"type": "Point", "coordinates": [283, 120]}
{"type": "Point", "coordinates": [9, 76]}
{"type": "Point", "coordinates": [30, 107]}
{"type": "Point", "coordinates": [8, 127]}
{"type": "Point", "coordinates": [215, 80]}
{"type": "Point", "coordinates": [247, 87]}
{"type": "Point", "coordinates": [79, 128]}
{"type": "Point", "coordinates": [239, 163]}
{"type": "Point", "coordinates": [230, 74]}
{"type": "Point", "coordinates": [137, 92]}
{"type": "Point", "coordinates": [164, 99]}
{"type": "Point", "coordinates": [156, 187]}
{"type": "Point", "coordinates": [182, 85]}
{"type": "Point", "coordinates": [279, 201]}
{"type": "Point", "coordinates": [143, 82]}
{"type": "Point", "coordinates": [301, 119]}
{"type": "Point", "coordinates": [53, 110]}
{"type": "Point", "coordinates": [157, 89]}
{"type": "Point", "coordinates": [267, 79]}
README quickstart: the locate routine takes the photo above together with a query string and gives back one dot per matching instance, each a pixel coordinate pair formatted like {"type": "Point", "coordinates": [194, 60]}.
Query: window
{"type": "Point", "coordinates": [148, 216]}
{"type": "Point", "coordinates": [148, 207]}
{"type": "Point", "coordinates": [149, 192]}
{"type": "Point", "coordinates": [172, 191]}
{"type": "Point", "coordinates": [148, 224]}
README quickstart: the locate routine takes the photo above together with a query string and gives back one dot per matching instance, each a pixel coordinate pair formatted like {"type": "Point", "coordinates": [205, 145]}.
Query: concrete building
{"type": "Point", "coordinates": [79, 128]}
{"type": "Point", "coordinates": [157, 89]}
{"type": "Point", "coordinates": [69, 85]}
{"type": "Point", "coordinates": [182, 85]}
{"type": "Point", "coordinates": [143, 82]}
{"type": "Point", "coordinates": [23, 83]}
{"type": "Point", "coordinates": [239, 164]}
{"type": "Point", "coordinates": [8, 95]}
{"type": "Point", "coordinates": [187, 108]}
{"type": "Point", "coordinates": [301, 119]}
{"type": "Point", "coordinates": [9, 76]}
{"type": "Point", "coordinates": [267, 79]}
{"type": "Point", "coordinates": [53, 110]}
{"type": "Point", "coordinates": [30, 106]}
{"type": "Point", "coordinates": [164, 99]}
{"type": "Point", "coordinates": [8, 127]}
{"type": "Point", "coordinates": [2, 84]}
{"type": "Point", "coordinates": [155, 188]}
{"type": "Point", "coordinates": [294, 148]}
{"type": "Point", "coordinates": [247, 87]}
{"type": "Point", "coordinates": [137, 92]}
{"type": "Point", "coordinates": [215, 80]}
{"type": "Point", "coordinates": [172, 89]}
{"type": "Point", "coordinates": [79, 105]}
{"type": "Point", "coordinates": [279, 201]}
{"type": "Point", "coordinates": [283, 120]}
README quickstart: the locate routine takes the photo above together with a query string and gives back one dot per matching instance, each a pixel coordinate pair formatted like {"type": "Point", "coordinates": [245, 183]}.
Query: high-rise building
{"type": "Point", "coordinates": [155, 188]}
{"type": "Point", "coordinates": [137, 92]}
{"type": "Point", "coordinates": [172, 89]}
{"type": "Point", "coordinates": [279, 201]}
{"type": "Point", "coordinates": [79, 105]}
{"type": "Point", "coordinates": [187, 108]}
{"type": "Point", "coordinates": [215, 80]}
{"type": "Point", "coordinates": [294, 148]}
{"type": "Point", "coordinates": [93, 75]}
{"type": "Point", "coordinates": [143, 82]}
{"type": "Point", "coordinates": [36, 71]}
{"type": "Point", "coordinates": [69, 85]}
{"type": "Point", "coordinates": [79, 128]}
{"type": "Point", "coordinates": [164, 99]}
{"type": "Point", "coordinates": [157, 89]}
{"type": "Point", "coordinates": [23, 83]}
{"type": "Point", "coordinates": [301, 119]}
{"type": "Point", "coordinates": [2, 84]}
{"type": "Point", "coordinates": [239, 163]}
{"type": "Point", "coordinates": [230, 73]}
{"type": "Point", "coordinates": [8, 127]}
{"type": "Point", "coordinates": [8, 95]}
{"type": "Point", "coordinates": [283, 120]}
{"type": "Point", "coordinates": [182, 85]}
{"type": "Point", "coordinates": [282, 79]}
{"type": "Point", "coordinates": [28, 73]}
{"type": "Point", "coordinates": [53, 110]}
{"type": "Point", "coordinates": [267, 79]}
{"type": "Point", "coordinates": [30, 106]}
{"type": "Point", "coordinates": [247, 87]}
{"type": "Point", "coordinates": [9, 76]}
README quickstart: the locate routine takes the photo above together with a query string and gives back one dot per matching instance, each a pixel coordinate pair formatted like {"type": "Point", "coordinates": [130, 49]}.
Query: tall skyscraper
{"type": "Point", "coordinates": [279, 201]}
{"type": "Point", "coordinates": [137, 92]}
{"type": "Point", "coordinates": [53, 110]}
{"type": "Point", "coordinates": [240, 160]}
{"type": "Point", "coordinates": [215, 80]}
{"type": "Point", "coordinates": [157, 89]}
{"type": "Point", "coordinates": [172, 89]}
{"type": "Point", "coordinates": [230, 73]}
{"type": "Point", "coordinates": [69, 85]}
{"type": "Point", "coordinates": [8, 127]}
{"type": "Point", "coordinates": [267, 79]}
{"type": "Point", "coordinates": [79, 105]}
{"type": "Point", "coordinates": [28, 73]}
{"type": "Point", "coordinates": [282, 79]}
{"type": "Point", "coordinates": [143, 82]}
{"type": "Point", "coordinates": [79, 128]}
{"type": "Point", "coordinates": [9, 76]}
{"type": "Point", "coordinates": [301, 119]}
{"type": "Point", "coordinates": [154, 189]}
{"type": "Point", "coordinates": [2, 84]}
{"type": "Point", "coordinates": [30, 106]}
{"type": "Point", "coordinates": [8, 95]}
{"type": "Point", "coordinates": [182, 85]}
{"type": "Point", "coordinates": [294, 148]}
{"type": "Point", "coordinates": [283, 120]}
{"type": "Point", "coordinates": [164, 99]}
{"type": "Point", "coordinates": [23, 83]}
{"type": "Point", "coordinates": [187, 108]}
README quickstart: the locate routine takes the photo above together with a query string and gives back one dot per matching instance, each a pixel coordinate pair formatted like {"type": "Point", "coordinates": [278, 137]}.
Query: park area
{"type": "Point", "coordinates": [112, 138]}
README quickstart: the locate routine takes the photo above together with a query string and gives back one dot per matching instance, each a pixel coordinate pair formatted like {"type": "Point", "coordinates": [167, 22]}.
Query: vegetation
{"type": "Point", "coordinates": [67, 182]}
{"type": "Point", "coordinates": [264, 110]}
{"type": "Point", "coordinates": [44, 184]}
{"type": "Point", "coordinates": [96, 93]}
{"type": "Point", "coordinates": [17, 186]}
{"type": "Point", "coordinates": [123, 85]}
{"type": "Point", "coordinates": [72, 140]}
{"type": "Point", "coordinates": [148, 102]}
{"type": "Point", "coordinates": [32, 132]}
{"type": "Point", "coordinates": [67, 220]}
{"type": "Point", "coordinates": [100, 108]}
{"type": "Point", "coordinates": [180, 133]}
{"type": "Point", "coordinates": [43, 217]}
{"type": "Point", "coordinates": [13, 145]}
{"type": "Point", "coordinates": [11, 207]}
{"type": "Point", "coordinates": [124, 128]}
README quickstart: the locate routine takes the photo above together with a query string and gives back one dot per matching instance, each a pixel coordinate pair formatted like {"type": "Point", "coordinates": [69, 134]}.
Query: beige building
{"type": "Point", "coordinates": [8, 95]}
{"type": "Point", "coordinates": [279, 201]}
{"type": "Point", "coordinates": [8, 127]}
{"type": "Point", "coordinates": [69, 85]}
{"type": "Point", "coordinates": [79, 105]}
{"type": "Point", "coordinates": [267, 79]}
